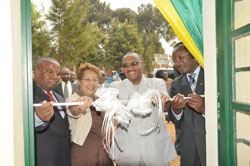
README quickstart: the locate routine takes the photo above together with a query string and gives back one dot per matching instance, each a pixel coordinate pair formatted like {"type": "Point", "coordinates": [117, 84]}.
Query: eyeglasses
{"type": "Point", "coordinates": [90, 80]}
{"type": "Point", "coordinates": [180, 57]}
{"type": "Point", "coordinates": [125, 65]}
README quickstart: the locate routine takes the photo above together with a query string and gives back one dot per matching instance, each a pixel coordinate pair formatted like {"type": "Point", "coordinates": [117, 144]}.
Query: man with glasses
{"type": "Point", "coordinates": [189, 114]}
{"type": "Point", "coordinates": [131, 147]}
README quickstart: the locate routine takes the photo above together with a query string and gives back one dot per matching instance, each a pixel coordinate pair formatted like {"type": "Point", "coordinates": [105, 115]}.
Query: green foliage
{"type": "Point", "coordinates": [40, 35]}
{"type": "Point", "coordinates": [124, 14]}
{"type": "Point", "coordinates": [89, 31]}
{"type": "Point", "coordinates": [100, 13]}
{"type": "Point", "coordinates": [121, 39]}
{"type": "Point", "coordinates": [74, 37]}
{"type": "Point", "coordinates": [150, 19]}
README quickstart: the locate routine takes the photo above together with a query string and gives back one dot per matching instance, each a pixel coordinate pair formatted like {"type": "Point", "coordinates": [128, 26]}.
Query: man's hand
{"type": "Point", "coordinates": [178, 103]}
{"type": "Point", "coordinates": [197, 103]}
{"type": "Point", "coordinates": [164, 99]}
{"type": "Point", "coordinates": [77, 110]}
{"type": "Point", "coordinates": [46, 111]}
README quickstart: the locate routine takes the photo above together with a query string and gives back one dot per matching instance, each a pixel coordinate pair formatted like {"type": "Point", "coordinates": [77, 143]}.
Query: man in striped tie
{"type": "Point", "coordinates": [189, 114]}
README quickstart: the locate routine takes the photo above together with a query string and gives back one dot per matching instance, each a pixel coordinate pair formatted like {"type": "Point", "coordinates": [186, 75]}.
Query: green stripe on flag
{"type": "Point", "coordinates": [190, 12]}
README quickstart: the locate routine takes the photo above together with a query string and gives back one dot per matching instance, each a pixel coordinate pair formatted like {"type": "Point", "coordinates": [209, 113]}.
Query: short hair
{"type": "Point", "coordinates": [178, 45]}
{"type": "Point", "coordinates": [46, 59]}
{"type": "Point", "coordinates": [181, 45]}
{"type": "Point", "coordinates": [72, 73]}
{"type": "Point", "coordinates": [65, 69]}
{"type": "Point", "coordinates": [133, 54]}
{"type": "Point", "coordinates": [87, 66]}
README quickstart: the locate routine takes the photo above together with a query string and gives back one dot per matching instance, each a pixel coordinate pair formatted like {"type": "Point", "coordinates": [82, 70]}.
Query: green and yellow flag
{"type": "Point", "coordinates": [185, 17]}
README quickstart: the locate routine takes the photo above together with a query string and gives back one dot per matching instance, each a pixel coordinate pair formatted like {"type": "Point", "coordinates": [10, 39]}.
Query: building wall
{"type": "Point", "coordinates": [209, 40]}
{"type": "Point", "coordinates": [11, 123]}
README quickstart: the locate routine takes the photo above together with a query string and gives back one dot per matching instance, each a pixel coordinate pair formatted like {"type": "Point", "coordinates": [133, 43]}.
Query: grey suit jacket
{"type": "Point", "coordinates": [192, 141]}
{"type": "Point", "coordinates": [131, 148]}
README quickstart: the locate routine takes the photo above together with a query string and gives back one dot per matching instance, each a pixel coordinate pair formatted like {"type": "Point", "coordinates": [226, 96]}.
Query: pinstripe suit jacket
{"type": "Point", "coordinates": [192, 141]}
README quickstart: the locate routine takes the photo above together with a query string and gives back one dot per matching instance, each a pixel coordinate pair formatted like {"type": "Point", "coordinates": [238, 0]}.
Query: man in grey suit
{"type": "Point", "coordinates": [131, 147]}
{"type": "Point", "coordinates": [190, 114]}
{"type": "Point", "coordinates": [65, 88]}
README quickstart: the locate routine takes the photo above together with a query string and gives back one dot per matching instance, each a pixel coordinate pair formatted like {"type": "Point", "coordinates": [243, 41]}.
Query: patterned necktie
{"type": "Point", "coordinates": [192, 82]}
{"type": "Point", "coordinates": [66, 91]}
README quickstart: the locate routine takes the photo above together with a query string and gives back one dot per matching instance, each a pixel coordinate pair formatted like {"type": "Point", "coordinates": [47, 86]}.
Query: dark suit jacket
{"type": "Point", "coordinates": [52, 141]}
{"type": "Point", "coordinates": [193, 143]}
{"type": "Point", "coordinates": [59, 89]}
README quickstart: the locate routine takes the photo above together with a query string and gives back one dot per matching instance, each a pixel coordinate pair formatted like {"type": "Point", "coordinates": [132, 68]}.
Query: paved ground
{"type": "Point", "coordinates": [171, 129]}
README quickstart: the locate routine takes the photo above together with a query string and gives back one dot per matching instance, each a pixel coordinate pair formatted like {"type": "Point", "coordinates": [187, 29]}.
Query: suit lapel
{"type": "Point", "coordinates": [39, 94]}
{"type": "Point", "coordinates": [199, 89]}
{"type": "Point", "coordinates": [184, 86]}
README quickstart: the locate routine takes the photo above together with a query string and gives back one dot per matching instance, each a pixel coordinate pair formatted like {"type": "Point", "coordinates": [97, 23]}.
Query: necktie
{"type": "Point", "coordinates": [192, 82]}
{"type": "Point", "coordinates": [51, 98]}
{"type": "Point", "coordinates": [66, 91]}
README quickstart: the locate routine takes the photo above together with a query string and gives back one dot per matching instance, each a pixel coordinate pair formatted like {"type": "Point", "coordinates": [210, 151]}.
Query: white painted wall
{"type": "Point", "coordinates": [11, 123]}
{"type": "Point", "coordinates": [209, 40]}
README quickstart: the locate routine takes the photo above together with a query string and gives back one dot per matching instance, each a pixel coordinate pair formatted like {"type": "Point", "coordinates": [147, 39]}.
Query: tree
{"type": "Point", "coordinates": [121, 39]}
{"type": "Point", "coordinates": [40, 35]}
{"type": "Point", "coordinates": [150, 19]}
{"type": "Point", "coordinates": [124, 14]}
{"type": "Point", "coordinates": [100, 13]}
{"type": "Point", "coordinates": [74, 37]}
{"type": "Point", "coordinates": [56, 16]}
{"type": "Point", "coordinates": [152, 27]}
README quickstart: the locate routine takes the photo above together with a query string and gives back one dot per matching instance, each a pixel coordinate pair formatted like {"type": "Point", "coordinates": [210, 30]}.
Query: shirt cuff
{"type": "Point", "coordinates": [38, 121]}
{"type": "Point", "coordinates": [178, 117]}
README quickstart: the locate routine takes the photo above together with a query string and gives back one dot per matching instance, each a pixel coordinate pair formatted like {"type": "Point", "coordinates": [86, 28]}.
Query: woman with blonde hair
{"type": "Point", "coordinates": [85, 122]}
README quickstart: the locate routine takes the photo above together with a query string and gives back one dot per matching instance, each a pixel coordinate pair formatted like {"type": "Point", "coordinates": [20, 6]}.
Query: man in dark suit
{"type": "Point", "coordinates": [65, 88]}
{"type": "Point", "coordinates": [189, 114]}
{"type": "Point", "coordinates": [52, 134]}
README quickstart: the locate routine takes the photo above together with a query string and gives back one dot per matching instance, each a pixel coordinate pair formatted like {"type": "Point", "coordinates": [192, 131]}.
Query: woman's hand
{"type": "Point", "coordinates": [77, 110]}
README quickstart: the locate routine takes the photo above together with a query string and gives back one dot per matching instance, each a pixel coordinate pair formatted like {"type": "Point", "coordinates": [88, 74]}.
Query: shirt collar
{"type": "Point", "coordinates": [196, 72]}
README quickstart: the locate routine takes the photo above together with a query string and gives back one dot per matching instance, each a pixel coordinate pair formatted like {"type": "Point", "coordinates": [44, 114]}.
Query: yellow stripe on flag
{"type": "Point", "coordinates": [170, 14]}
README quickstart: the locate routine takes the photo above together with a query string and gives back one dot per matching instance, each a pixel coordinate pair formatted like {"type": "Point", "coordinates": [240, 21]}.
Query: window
{"type": "Point", "coordinates": [233, 43]}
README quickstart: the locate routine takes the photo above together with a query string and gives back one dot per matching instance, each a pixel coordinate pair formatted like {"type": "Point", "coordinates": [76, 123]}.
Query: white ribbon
{"type": "Point", "coordinates": [115, 110]}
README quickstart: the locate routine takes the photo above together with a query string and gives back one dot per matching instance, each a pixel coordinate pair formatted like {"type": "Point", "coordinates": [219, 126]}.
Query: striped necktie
{"type": "Point", "coordinates": [192, 81]}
